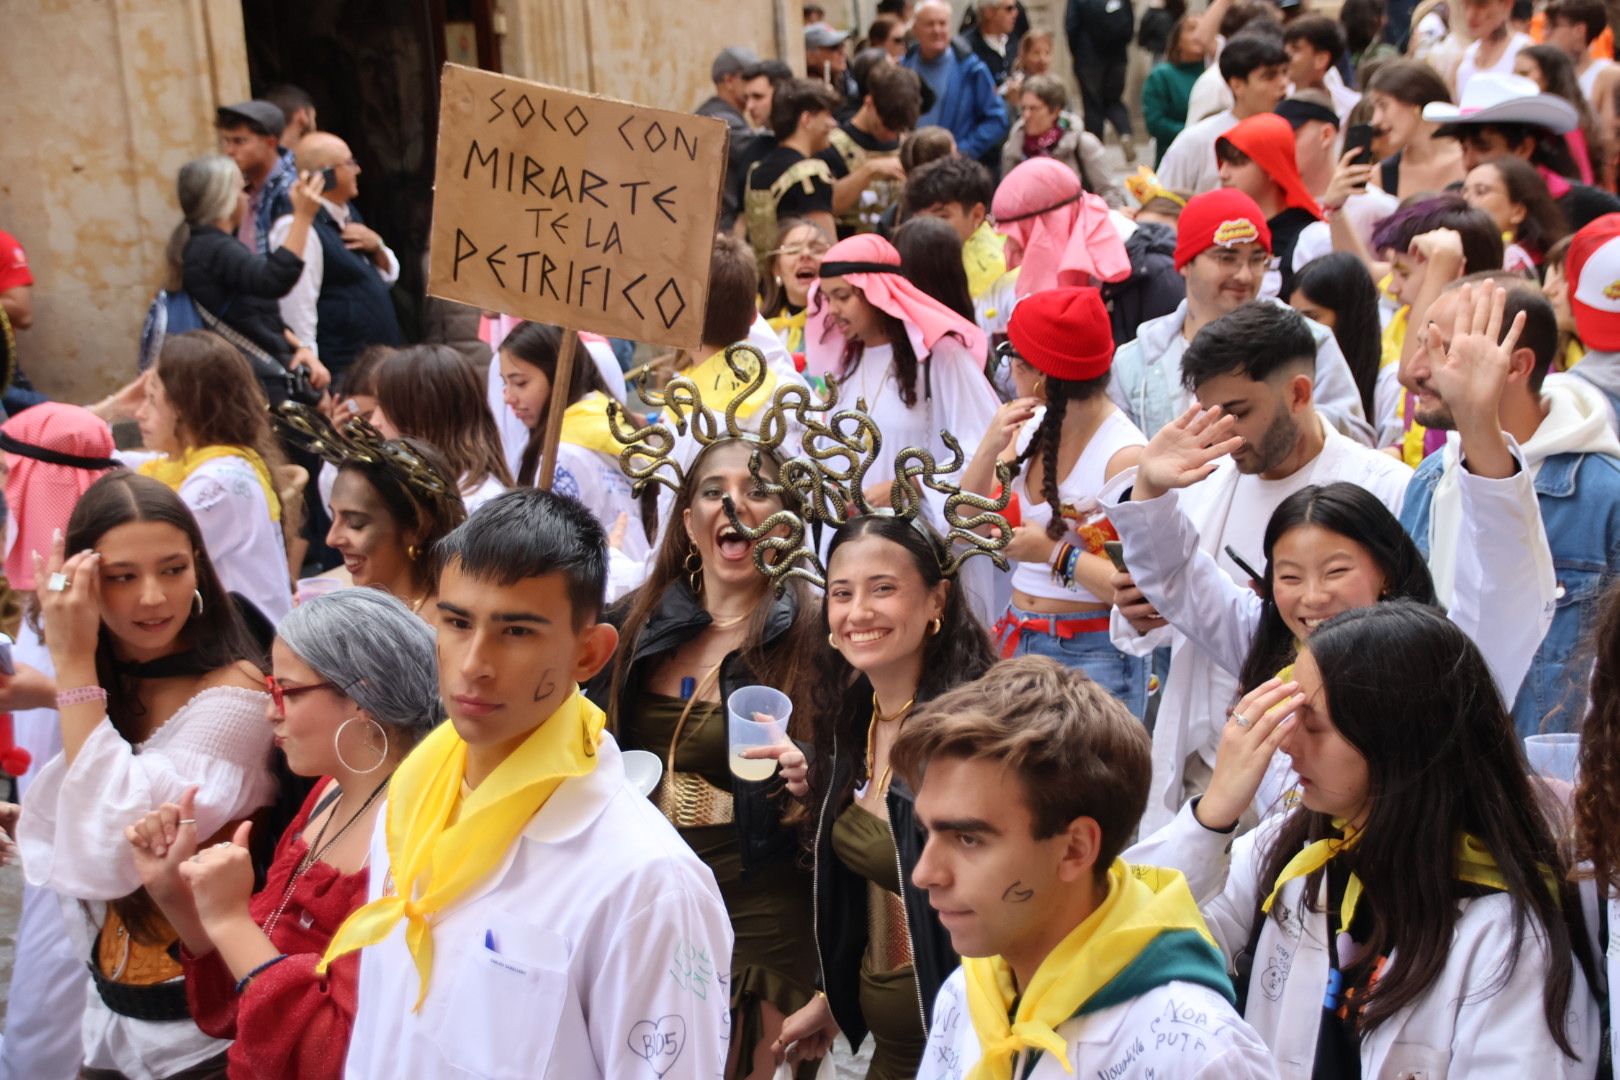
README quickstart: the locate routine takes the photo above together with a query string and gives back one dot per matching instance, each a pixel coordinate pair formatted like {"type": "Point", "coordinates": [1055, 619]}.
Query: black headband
{"type": "Point", "coordinates": [1043, 210]}
{"type": "Point", "coordinates": [1297, 112]}
{"type": "Point", "coordinates": [843, 269]}
{"type": "Point", "coordinates": [55, 457]}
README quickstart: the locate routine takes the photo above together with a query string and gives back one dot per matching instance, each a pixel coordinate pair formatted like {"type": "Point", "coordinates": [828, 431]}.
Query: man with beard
{"type": "Point", "coordinates": [1256, 365]}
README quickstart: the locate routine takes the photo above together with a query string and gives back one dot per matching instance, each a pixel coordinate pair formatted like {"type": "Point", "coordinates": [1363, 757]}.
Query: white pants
{"type": "Point", "coordinates": [46, 1003]}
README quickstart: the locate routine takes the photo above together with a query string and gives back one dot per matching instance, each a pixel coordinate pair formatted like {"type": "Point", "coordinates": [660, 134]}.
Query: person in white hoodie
{"type": "Point", "coordinates": [1256, 364]}
{"type": "Point", "coordinates": [1411, 917]}
{"type": "Point", "coordinates": [1568, 445]}
{"type": "Point", "coordinates": [1075, 963]}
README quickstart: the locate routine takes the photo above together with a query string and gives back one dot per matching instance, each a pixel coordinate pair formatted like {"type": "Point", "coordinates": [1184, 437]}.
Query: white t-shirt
{"type": "Point", "coordinates": [1189, 165]}
{"type": "Point", "coordinates": [1077, 491]}
{"type": "Point", "coordinates": [1469, 67]}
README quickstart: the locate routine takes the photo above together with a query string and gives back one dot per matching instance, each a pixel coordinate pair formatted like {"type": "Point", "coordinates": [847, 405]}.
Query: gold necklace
{"type": "Point", "coordinates": [878, 718]}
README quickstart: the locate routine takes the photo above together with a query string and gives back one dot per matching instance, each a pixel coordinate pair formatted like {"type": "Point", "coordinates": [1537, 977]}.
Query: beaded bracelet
{"type": "Point", "coordinates": [79, 695]}
{"type": "Point", "coordinates": [249, 977]}
{"type": "Point", "coordinates": [1070, 561]}
{"type": "Point", "coordinates": [1059, 553]}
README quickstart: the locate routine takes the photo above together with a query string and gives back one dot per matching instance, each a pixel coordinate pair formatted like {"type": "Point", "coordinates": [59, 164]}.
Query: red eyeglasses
{"type": "Point", "coordinates": [279, 694]}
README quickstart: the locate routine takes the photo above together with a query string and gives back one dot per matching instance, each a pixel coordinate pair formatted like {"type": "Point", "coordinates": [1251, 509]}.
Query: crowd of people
{"type": "Point", "coordinates": [1186, 594]}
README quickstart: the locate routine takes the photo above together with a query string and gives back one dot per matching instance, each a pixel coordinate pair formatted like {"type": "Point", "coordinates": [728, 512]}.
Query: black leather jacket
{"type": "Point", "coordinates": [840, 909]}
{"type": "Point", "coordinates": [678, 617]}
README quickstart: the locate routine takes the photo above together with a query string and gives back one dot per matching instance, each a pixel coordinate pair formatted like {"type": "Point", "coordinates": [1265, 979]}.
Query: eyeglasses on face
{"type": "Point", "coordinates": [279, 693]}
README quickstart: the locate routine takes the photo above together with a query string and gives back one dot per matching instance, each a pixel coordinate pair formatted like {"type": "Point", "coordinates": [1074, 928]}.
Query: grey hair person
{"type": "Point", "coordinates": [369, 644]}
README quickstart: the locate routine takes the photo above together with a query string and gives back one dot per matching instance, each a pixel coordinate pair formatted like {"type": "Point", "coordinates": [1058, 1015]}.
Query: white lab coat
{"type": "Point", "coordinates": [1178, 1030]}
{"type": "Point", "coordinates": [599, 948]}
{"type": "Point", "coordinates": [1199, 689]}
{"type": "Point", "coordinates": [1501, 601]}
{"type": "Point", "coordinates": [1470, 1023]}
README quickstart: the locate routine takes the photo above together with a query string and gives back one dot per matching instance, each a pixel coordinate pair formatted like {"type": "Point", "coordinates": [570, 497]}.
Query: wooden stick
{"type": "Point", "coordinates": [558, 404]}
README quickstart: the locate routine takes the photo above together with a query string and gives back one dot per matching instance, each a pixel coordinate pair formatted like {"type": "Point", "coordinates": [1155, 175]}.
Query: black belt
{"type": "Point", "coordinates": [159, 1002]}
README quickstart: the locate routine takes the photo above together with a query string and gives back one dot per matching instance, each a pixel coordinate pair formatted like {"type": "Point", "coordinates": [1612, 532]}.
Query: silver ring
{"type": "Point", "coordinates": [58, 582]}
{"type": "Point", "coordinates": [224, 843]}
{"type": "Point", "coordinates": [188, 821]}
{"type": "Point", "coordinates": [1242, 721]}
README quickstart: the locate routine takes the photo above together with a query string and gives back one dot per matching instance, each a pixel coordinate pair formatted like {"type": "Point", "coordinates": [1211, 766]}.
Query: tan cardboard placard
{"type": "Point", "coordinates": [567, 208]}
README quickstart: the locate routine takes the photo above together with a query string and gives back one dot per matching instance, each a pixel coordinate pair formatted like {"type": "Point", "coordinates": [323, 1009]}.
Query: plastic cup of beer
{"type": "Point", "coordinates": [756, 716]}
{"type": "Point", "coordinates": [1554, 757]}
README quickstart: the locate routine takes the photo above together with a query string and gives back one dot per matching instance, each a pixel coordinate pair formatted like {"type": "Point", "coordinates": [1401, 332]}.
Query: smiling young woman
{"type": "Point", "coordinates": [161, 691]}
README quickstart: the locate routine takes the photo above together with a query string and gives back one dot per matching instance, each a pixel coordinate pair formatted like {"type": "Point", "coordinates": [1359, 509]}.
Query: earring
{"type": "Point", "coordinates": [196, 602]}
{"type": "Point", "coordinates": [337, 745]}
{"type": "Point", "coordinates": [1040, 386]}
{"type": "Point", "coordinates": [413, 553]}
{"type": "Point", "coordinates": [693, 565]}
{"type": "Point", "coordinates": [832, 640]}
{"type": "Point", "coordinates": [935, 626]}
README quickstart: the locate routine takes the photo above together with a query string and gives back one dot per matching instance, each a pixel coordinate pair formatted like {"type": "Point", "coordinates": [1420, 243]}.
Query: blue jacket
{"type": "Point", "coordinates": [971, 109]}
{"type": "Point", "coordinates": [1580, 509]}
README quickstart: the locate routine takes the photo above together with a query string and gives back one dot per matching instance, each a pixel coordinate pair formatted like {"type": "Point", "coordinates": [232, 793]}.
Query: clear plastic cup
{"type": "Point", "coordinates": [756, 716]}
{"type": "Point", "coordinates": [1554, 757]}
{"type": "Point", "coordinates": [311, 587]}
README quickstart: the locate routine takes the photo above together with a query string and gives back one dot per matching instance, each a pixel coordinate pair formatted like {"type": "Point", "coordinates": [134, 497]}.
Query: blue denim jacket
{"type": "Point", "coordinates": [1580, 509]}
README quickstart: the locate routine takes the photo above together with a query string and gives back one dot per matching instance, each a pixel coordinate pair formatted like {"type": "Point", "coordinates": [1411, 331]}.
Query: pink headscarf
{"type": "Point", "coordinates": [927, 320]}
{"type": "Point", "coordinates": [1061, 232]}
{"type": "Point", "coordinates": [41, 494]}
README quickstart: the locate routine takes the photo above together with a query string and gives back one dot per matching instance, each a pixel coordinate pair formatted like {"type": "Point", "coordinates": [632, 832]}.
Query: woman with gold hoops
{"type": "Point", "coordinates": [703, 624]}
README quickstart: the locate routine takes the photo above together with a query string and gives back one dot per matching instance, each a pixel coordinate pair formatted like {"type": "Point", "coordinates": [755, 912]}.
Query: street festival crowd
{"type": "Point", "coordinates": [1059, 622]}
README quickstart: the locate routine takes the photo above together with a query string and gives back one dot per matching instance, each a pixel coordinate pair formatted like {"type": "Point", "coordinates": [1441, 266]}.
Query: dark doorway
{"type": "Point", "coordinates": [372, 67]}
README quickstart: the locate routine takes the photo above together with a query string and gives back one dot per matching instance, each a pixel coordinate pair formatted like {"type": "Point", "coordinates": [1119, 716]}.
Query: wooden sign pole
{"type": "Point", "coordinates": [558, 405]}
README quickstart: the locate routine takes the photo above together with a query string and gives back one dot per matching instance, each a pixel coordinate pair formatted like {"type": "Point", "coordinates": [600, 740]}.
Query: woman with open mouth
{"type": "Point", "coordinates": [160, 691]}
{"type": "Point", "coordinates": [703, 624]}
{"type": "Point", "coordinates": [786, 277]}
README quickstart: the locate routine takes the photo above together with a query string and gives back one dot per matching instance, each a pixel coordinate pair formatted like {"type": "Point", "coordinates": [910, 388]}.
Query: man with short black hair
{"type": "Point", "coordinates": [520, 885]}
{"type": "Point", "coordinates": [729, 98]}
{"type": "Point", "coordinates": [1314, 44]}
{"type": "Point", "coordinates": [250, 135]}
{"type": "Point", "coordinates": [1255, 69]}
{"type": "Point", "coordinates": [792, 180]}
{"type": "Point", "coordinates": [1029, 783]}
{"type": "Point", "coordinates": [958, 190]}
{"type": "Point", "coordinates": [759, 87]}
{"type": "Point", "coordinates": [1563, 430]}
{"type": "Point", "coordinates": [299, 109]}
{"type": "Point", "coordinates": [864, 154]}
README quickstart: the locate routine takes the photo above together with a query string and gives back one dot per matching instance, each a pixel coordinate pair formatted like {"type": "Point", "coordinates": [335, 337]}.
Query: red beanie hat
{"type": "Point", "coordinates": [1268, 140]}
{"type": "Point", "coordinates": [1219, 218]}
{"type": "Point", "coordinates": [1065, 333]}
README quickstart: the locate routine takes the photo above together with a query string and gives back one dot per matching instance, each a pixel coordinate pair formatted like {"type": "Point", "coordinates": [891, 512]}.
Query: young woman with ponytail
{"type": "Point", "coordinates": [1065, 439]}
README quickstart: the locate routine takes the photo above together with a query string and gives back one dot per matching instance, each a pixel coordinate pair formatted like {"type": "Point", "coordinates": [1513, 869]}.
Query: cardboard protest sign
{"type": "Point", "coordinates": [576, 210]}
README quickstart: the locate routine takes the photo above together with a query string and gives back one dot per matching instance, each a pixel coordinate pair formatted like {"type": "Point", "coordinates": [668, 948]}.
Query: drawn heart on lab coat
{"type": "Point", "coordinates": [659, 1042]}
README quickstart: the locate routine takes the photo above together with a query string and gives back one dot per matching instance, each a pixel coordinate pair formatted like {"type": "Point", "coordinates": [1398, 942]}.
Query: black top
{"type": "Point", "coordinates": [795, 201]}
{"type": "Point", "coordinates": [1285, 230]}
{"type": "Point", "coordinates": [870, 143]}
{"type": "Point", "coordinates": [1582, 205]}
{"type": "Point", "coordinates": [354, 309]}
{"type": "Point", "coordinates": [1389, 172]}
{"type": "Point", "coordinates": [240, 286]}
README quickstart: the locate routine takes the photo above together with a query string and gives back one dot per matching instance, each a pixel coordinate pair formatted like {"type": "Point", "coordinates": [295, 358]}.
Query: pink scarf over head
{"type": "Point", "coordinates": [1062, 233]}
{"type": "Point", "coordinates": [41, 494]}
{"type": "Point", "coordinates": [927, 320]}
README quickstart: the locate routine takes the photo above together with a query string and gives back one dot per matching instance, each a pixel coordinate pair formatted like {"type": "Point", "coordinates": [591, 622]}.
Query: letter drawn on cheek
{"type": "Point", "coordinates": [547, 686]}
{"type": "Point", "coordinates": [1016, 893]}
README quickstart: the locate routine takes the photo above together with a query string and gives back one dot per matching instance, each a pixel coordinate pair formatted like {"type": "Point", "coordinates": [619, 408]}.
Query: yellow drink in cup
{"type": "Point", "coordinates": [756, 717]}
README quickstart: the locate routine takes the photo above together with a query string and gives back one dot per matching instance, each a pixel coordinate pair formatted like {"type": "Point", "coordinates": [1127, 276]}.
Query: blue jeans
{"type": "Point", "coordinates": [1126, 677]}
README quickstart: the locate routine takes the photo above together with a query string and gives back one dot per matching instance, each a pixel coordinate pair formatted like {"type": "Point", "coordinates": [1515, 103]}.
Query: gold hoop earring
{"type": "Point", "coordinates": [693, 565]}
{"type": "Point", "coordinates": [413, 553]}
{"type": "Point", "coordinates": [935, 626]}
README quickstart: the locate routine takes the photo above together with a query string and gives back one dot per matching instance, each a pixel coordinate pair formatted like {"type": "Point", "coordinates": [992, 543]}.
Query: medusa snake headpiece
{"type": "Point", "coordinates": [357, 442]}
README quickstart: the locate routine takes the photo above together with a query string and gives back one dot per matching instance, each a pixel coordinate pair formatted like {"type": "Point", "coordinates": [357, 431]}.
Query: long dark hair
{"type": "Point", "coordinates": [1543, 224]}
{"type": "Point", "coordinates": [785, 665]}
{"type": "Point", "coordinates": [537, 344]}
{"type": "Point", "coordinates": [1048, 438]}
{"type": "Point", "coordinates": [1339, 281]}
{"type": "Point", "coordinates": [931, 258]}
{"type": "Point", "coordinates": [842, 696]}
{"type": "Point", "coordinates": [1443, 759]}
{"type": "Point", "coordinates": [1558, 72]}
{"type": "Point", "coordinates": [214, 638]}
{"type": "Point", "coordinates": [905, 358]}
{"type": "Point", "coordinates": [1353, 512]}
{"type": "Point", "coordinates": [1597, 795]}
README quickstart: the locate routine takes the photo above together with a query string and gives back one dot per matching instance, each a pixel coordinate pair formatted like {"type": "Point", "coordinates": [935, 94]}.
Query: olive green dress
{"type": "Point", "coordinates": [774, 956]}
{"type": "Point", "coordinates": [890, 1000]}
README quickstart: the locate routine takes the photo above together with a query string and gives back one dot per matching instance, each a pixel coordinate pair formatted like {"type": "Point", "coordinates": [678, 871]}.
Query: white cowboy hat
{"type": "Point", "coordinates": [1495, 98]}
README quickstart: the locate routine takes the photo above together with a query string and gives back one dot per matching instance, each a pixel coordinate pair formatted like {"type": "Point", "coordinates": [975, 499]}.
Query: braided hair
{"type": "Point", "coordinates": [1049, 435]}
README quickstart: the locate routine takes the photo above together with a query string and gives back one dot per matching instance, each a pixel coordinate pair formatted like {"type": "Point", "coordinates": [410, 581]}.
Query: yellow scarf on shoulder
{"type": "Point", "coordinates": [435, 862]}
{"type": "Point", "coordinates": [585, 424]}
{"type": "Point", "coordinates": [1143, 902]}
{"type": "Point", "coordinates": [719, 384]}
{"type": "Point", "coordinates": [1474, 864]}
{"type": "Point", "coordinates": [172, 471]}
{"type": "Point", "coordinates": [791, 329]}
{"type": "Point", "coordinates": [984, 257]}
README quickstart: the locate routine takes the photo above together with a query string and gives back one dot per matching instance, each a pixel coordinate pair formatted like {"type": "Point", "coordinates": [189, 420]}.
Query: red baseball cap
{"type": "Point", "coordinates": [1593, 269]}
{"type": "Point", "coordinates": [1065, 333]}
{"type": "Point", "coordinates": [1224, 217]}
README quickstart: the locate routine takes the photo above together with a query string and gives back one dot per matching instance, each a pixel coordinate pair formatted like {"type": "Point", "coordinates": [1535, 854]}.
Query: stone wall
{"type": "Point", "coordinates": [105, 100]}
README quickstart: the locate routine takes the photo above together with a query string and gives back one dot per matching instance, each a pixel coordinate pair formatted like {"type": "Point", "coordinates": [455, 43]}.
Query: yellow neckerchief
{"type": "Point", "coordinates": [984, 258]}
{"type": "Point", "coordinates": [585, 424]}
{"type": "Point", "coordinates": [791, 329]}
{"type": "Point", "coordinates": [1574, 353]}
{"type": "Point", "coordinates": [1474, 864]}
{"type": "Point", "coordinates": [714, 376]}
{"type": "Point", "coordinates": [434, 861]}
{"type": "Point", "coordinates": [1142, 903]}
{"type": "Point", "coordinates": [172, 472]}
